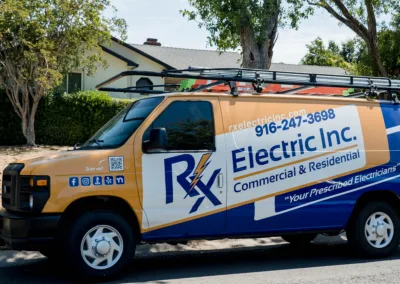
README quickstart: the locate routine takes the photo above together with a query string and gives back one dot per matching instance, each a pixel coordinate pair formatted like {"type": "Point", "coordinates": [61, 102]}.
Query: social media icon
{"type": "Point", "coordinates": [108, 180]}
{"type": "Point", "coordinates": [73, 181]}
{"type": "Point", "coordinates": [120, 180]}
{"type": "Point", "coordinates": [85, 181]}
{"type": "Point", "coordinates": [97, 180]}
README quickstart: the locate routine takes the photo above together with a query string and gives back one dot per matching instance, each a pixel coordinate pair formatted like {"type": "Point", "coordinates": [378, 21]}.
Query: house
{"type": "Point", "coordinates": [152, 56]}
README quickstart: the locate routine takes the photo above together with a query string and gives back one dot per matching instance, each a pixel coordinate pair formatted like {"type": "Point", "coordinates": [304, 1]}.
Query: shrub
{"type": "Point", "coordinates": [61, 120]}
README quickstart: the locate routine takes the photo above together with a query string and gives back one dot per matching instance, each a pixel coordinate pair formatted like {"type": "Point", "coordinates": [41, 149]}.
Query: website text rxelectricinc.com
{"type": "Point", "coordinates": [266, 119]}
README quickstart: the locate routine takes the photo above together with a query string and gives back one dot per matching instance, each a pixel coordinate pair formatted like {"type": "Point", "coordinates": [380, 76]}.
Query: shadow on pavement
{"type": "Point", "coordinates": [160, 267]}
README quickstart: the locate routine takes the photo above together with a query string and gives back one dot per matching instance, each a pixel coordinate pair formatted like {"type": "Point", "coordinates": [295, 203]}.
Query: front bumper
{"type": "Point", "coordinates": [27, 232]}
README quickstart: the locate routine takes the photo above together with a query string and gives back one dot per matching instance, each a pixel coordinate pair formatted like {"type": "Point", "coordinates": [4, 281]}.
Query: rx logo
{"type": "Point", "coordinates": [191, 180]}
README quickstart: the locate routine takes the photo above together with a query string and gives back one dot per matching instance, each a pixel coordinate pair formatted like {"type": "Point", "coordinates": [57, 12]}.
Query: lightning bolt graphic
{"type": "Point", "coordinates": [200, 169]}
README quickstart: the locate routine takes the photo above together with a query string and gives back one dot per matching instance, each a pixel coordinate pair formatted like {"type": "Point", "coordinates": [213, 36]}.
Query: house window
{"type": "Point", "coordinates": [145, 83]}
{"type": "Point", "coordinates": [71, 83]}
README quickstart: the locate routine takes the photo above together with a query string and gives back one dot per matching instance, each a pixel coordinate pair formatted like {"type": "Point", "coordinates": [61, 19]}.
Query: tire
{"type": "Point", "coordinates": [299, 239]}
{"type": "Point", "coordinates": [99, 244]}
{"type": "Point", "coordinates": [379, 241]}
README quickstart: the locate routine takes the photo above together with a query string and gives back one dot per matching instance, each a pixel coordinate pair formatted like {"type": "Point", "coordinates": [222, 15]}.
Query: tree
{"type": "Point", "coordinates": [43, 39]}
{"type": "Point", "coordinates": [361, 17]}
{"type": "Point", "coordinates": [319, 54]}
{"type": "Point", "coordinates": [389, 49]}
{"type": "Point", "coordinates": [353, 55]}
{"type": "Point", "coordinates": [250, 24]}
{"type": "Point", "coordinates": [333, 47]}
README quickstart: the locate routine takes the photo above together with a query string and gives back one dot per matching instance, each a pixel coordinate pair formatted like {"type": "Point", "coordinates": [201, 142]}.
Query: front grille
{"type": "Point", "coordinates": [25, 191]}
{"type": "Point", "coordinates": [19, 195]}
{"type": "Point", "coordinates": [11, 181]}
{"type": "Point", "coordinates": [7, 187]}
{"type": "Point", "coordinates": [11, 185]}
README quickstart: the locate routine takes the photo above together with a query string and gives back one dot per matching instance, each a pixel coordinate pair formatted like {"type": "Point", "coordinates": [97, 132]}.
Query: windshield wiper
{"type": "Point", "coordinates": [98, 142]}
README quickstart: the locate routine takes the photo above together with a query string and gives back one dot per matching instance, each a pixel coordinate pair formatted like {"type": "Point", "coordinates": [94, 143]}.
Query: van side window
{"type": "Point", "coordinates": [189, 126]}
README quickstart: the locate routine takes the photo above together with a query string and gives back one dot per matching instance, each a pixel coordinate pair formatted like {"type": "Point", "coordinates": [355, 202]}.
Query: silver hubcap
{"type": "Point", "coordinates": [102, 247]}
{"type": "Point", "coordinates": [379, 230]}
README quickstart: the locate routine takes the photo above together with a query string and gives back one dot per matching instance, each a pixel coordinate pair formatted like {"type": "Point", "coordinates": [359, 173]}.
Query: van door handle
{"type": "Point", "coordinates": [220, 180]}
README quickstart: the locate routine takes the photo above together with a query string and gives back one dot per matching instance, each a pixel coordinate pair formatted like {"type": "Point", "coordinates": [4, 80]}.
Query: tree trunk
{"type": "Point", "coordinates": [254, 55]}
{"type": "Point", "coordinates": [257, 53]}
{"type": "Point", "coordinates": [28, 125]}
{"type": "Point", "coordinates": [377, 64]}
{"type": "Point", "coordinates": [367, 33]}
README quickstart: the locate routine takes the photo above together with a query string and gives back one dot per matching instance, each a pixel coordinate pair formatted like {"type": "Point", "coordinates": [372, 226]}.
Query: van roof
{"type": "Point", "coordinates": [270, 96]}
{"type": "Point", "coordinates": [259, 80]}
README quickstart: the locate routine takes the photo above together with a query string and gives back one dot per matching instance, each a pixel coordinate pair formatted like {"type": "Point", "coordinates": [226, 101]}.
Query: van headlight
{"type": "Point", "coordinates": [34, 192]}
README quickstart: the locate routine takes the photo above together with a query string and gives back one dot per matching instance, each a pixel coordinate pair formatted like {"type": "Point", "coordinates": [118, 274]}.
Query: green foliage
{"type": "Point", "coordinates": [225, 19]}
{"type": "Point", "coordinates": [353, 55]}
{"type": "Point", "coordinates": [43, 39]}
{"type": "Point", "coordinates": [54, 36]}
{"type": "Point", "coordinates": [319, 54]}
{"type": "Point", "coordinates": [389, 49]}
{"type": "Point", "coordinates": [10, 124]}
{"type": "Point", "coordinates": [62, 120]}
{"type": "Point", "coordinates": [358, 9]}
{"type": "Point", "coordinates": [333, 47]}
{"type": "Point", "coordinates": [363, 18]}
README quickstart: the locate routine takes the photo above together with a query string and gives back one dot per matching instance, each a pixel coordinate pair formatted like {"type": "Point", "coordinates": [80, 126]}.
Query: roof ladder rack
{"type": "Point", "coordinates": [258, 77]}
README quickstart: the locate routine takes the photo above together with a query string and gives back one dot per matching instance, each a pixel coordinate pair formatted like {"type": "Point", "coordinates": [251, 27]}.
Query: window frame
{"type": "Point", "coordinates": [80, 87]}
{"type": "Point", "coordinates": [66, 78]}
{"type": "Point", "coordinates": [214, 148]}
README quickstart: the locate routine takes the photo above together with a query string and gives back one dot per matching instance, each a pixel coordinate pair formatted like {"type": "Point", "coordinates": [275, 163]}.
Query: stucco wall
{"type": "Point", "coordinates": [145, 64]}
{"type": "Point", "coordinates": [117, 65]}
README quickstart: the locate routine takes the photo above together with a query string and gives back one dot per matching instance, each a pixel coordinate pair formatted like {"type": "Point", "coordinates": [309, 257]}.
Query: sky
{"type": "Point", "coordinates": [161, 19]}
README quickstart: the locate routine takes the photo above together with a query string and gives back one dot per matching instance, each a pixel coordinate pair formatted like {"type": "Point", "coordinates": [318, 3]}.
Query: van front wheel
{"type": "Point", "coordinates": [100, 244]}
{"type": "Point", "coordinates": [375, 231]}
{"type": "Point", "coordinates": [299, 239]}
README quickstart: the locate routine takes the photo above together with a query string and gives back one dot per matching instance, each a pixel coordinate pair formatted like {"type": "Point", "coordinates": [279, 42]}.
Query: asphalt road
{"type": "Point", "coordinates": [327, 260]}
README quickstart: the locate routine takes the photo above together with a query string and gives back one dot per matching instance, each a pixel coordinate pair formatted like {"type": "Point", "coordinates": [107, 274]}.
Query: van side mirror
{"type": "Point", "coordinates": [158, 140]}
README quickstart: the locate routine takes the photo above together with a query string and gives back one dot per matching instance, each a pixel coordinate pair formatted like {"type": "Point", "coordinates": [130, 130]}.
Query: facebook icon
{"type": "Point", "coordinates": [73, 182]}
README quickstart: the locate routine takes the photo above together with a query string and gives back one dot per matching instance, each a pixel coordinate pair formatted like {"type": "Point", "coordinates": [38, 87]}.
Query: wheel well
{"type": "Point", "coordinates": [387, 196]}
{"type": "Point", "coordinates": [86, 204]}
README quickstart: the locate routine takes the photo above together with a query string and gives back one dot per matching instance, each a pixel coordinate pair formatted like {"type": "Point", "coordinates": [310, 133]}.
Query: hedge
{"type": "Point", "coordinates": [61, 119]}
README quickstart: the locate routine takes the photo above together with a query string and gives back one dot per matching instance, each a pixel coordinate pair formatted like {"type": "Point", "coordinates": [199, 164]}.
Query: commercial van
{"type": "Point", "coordinates": [199, 165]}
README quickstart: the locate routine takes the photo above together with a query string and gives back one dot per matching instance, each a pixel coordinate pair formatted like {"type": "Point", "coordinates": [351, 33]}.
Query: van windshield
{"type": "Point", "coordinates": [115, 132]}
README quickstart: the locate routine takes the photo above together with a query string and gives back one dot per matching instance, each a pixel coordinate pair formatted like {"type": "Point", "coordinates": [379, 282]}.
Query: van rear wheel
{"type": "Point", "coordinates": [99, 244]}
{"type": "Point", "coordinates": [375, 230]}
{"type": "Point", "coordinates": [299, 239]}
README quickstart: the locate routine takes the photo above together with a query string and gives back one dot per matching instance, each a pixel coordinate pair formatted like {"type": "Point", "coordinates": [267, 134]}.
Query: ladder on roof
{"type": "Point", "coordinates": [259, 77]}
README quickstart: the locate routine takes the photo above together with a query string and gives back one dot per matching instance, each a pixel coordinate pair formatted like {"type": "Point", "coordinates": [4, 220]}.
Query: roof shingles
{"type": "Point", "coordinates": [182, 58]}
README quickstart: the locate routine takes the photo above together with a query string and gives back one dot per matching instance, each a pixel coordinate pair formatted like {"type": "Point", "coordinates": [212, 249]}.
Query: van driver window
{"type": "Point", "coordinates": [189, 126]}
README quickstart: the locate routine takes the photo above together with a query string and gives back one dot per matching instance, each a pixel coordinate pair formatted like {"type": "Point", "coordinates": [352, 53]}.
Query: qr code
{"type": "Point", "coordinates": [116, 163]}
